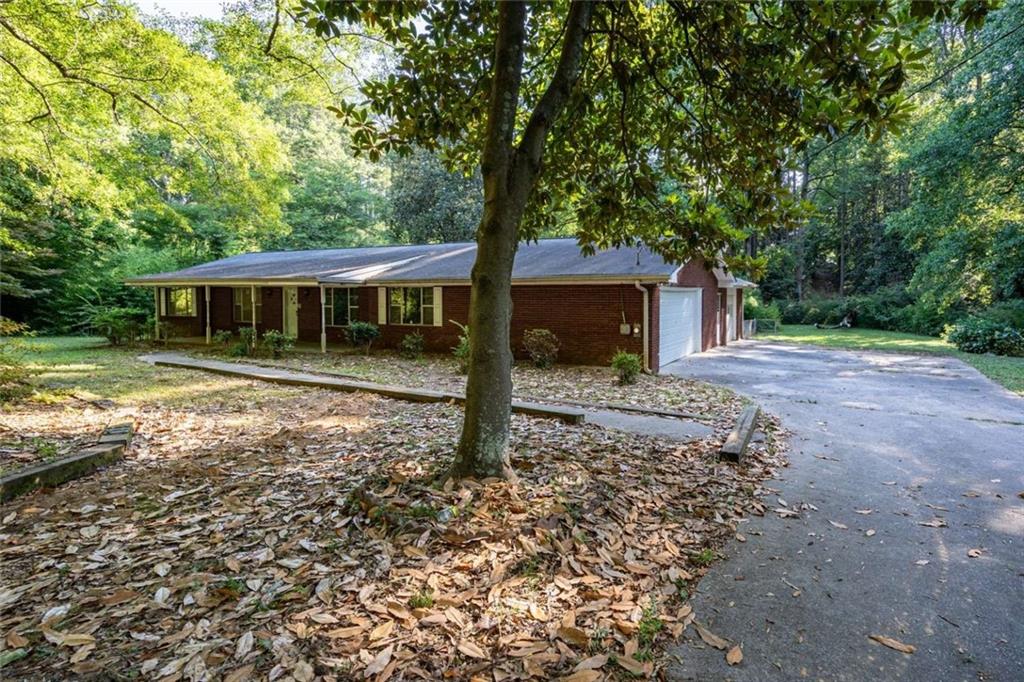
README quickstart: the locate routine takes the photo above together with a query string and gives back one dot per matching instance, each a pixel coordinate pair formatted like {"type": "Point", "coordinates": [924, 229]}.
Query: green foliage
{"type": "Point", "coordinates": [1010, 313]}
{"type": "Point", "coordinates": [239, 350]}
{"type": "Point", "coordinates": [977, 335]}
{"type": "Point", "coordinates": [14, 371]}
{"type": "Point", "coordinates": [121, 325]}
{"type": "Point", "coordinates": [637, 160]}
{"type": "Point", "coordinates": [542, 347]}
{"type": "Point", "coordinates": [461, 349]}
{"type": "Point", "coordinates": [362, 334]}
{"type": "Point", "coordinates": [222, 337]}
{"type": "Point", "coordinates": [755, 309]}
{"type": "Point", "coordinates": [627, 366]}
{"type": "Point", "coordinates": [411, 345]}
{"type": "Point", "coordinates": [247, 339]}
{"type": "Point", "coordinates": [277, 343]}
{"type": "Point", "coordinates": [430, 204]}
{"type": "Point", "coordinates": [935, 215]}
{"type": "Point", "coordinates": [422, 600]}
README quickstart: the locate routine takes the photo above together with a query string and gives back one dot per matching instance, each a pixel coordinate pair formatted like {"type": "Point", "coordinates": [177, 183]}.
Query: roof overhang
{"type": "Point", "coordinates": [195, 282]}
{"type": "Point", "coordinates": [538, 281]}
{"type": "Point", "coordinates": [727, 281]}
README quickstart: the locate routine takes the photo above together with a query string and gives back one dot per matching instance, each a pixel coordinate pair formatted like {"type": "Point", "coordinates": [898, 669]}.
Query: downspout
{"type": "Point", "coordinates": [647, 312]}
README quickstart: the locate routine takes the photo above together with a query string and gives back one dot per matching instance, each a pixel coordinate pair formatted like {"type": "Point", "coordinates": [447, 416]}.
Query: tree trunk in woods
{"type": "Point", "coordinates": [509, 174]}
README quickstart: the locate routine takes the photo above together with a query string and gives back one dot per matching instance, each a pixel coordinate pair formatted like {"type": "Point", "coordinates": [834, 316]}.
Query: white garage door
{"type": "Point", "coordinates": [678, 323]}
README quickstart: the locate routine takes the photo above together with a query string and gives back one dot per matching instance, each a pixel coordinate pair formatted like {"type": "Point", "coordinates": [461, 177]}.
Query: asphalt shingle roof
{"type": "Point", "coordinates": [543, 260]}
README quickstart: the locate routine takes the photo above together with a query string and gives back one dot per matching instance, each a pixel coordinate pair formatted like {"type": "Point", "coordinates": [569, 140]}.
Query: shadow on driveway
{"type": "Point", "coordinates": [900, 466]}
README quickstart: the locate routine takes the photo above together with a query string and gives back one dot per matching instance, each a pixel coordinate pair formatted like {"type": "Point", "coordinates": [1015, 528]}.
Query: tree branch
{"type": "Point", "coordinates": [42, 95]}
{"type": "Point", "coordinates": [528, 154]}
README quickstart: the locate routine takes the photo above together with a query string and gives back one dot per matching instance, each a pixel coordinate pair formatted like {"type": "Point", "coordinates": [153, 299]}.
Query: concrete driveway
{"type": "Point", "coordinates": [916, 440]}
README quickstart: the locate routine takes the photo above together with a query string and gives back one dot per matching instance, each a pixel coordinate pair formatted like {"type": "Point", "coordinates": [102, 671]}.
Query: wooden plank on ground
{"type": "Point", "coordinates": [419, 395]}
{"type": "Point", "coordinates": [109, 449]}
{"type": "Point", "coordinates": [736, 444]}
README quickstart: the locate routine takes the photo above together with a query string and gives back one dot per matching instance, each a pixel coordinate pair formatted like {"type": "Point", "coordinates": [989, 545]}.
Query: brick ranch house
{"type": "Point", "coordinates": [627, 299]}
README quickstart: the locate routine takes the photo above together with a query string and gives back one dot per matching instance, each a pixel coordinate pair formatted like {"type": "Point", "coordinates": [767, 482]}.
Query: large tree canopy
{"type": "Point", "coordinates": [666, 123]}
{"type": "Point", "coordinates": [929, 225]}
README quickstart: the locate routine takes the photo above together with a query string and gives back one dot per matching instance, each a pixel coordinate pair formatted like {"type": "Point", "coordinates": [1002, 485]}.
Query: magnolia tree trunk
{"type": "Point", "coordinates": [509, 173]}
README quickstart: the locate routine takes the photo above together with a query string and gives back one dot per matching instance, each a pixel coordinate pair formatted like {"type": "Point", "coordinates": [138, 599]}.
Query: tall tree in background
{"type": "Point", "coordinates": [666, 123]}
{"type": "Point", "coordinates": [430, 204]}
{"type": "Point", "coordinates": [116, 135]}
{"type": "Point", "coordinates": [929, 225]}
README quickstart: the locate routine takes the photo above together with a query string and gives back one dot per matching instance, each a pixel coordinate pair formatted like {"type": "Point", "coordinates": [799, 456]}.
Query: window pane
{"type": "Point", "coordinates": [339, 308]}
{"type": "Point", "coordinates": [395, 314]}
{"type": "Point", "coordinates": [411, 314]}
{"type": "Point", "coordinates": [428, 315]}
{"type": "Point", "coordinates": [428, 295]}
{"type": "Point", "coordinates": [353, 305]}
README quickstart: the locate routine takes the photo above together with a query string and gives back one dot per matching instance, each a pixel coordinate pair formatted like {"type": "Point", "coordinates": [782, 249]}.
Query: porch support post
{"type": "Point", "coordinates": [252, 299]}
{"type": "Point", "coordinates": [156, 314]}
{"type": "Point", "coordinates": [323, 320]}
{"type": "Point", "coordinates": [209, 336]}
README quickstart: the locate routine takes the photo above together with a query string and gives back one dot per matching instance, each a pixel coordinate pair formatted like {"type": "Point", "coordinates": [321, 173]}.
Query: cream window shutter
{"type": "Point", "coordinates": [438, 311]}
{"type": "Point", "coordinates": [195, 304]}
{"type": "Point", "coordinates": [162, 292]}
{"type": "Point", "coordinates": [382, 305]}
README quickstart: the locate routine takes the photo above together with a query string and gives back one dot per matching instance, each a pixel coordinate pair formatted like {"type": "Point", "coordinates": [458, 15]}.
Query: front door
{"type": "Point", "coordinates": [290, 314]}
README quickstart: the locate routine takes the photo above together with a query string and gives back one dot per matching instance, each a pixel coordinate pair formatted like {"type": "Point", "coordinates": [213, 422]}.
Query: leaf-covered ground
{"type": "Point", "coordinates": [296, 534]}
{"type": "Point", "coordinates": [562, 382]}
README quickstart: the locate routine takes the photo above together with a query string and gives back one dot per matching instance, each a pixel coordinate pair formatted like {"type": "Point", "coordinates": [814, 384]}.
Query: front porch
{"type": "Point", "coordinates": [194, 314]}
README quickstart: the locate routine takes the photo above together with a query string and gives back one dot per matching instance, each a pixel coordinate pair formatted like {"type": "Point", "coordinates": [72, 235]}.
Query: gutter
{"type": "Point", "coordinates": [647, 314]}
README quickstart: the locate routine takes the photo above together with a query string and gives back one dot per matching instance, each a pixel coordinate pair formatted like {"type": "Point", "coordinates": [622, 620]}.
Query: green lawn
{"type": "Point", "coordinates": [1007, 371]}
{"type": "Point", "coordinates": [88, 368]}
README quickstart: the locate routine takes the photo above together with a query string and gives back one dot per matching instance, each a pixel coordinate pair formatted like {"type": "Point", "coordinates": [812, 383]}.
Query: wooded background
{"type": "Point", "coordinates": [159, 143]}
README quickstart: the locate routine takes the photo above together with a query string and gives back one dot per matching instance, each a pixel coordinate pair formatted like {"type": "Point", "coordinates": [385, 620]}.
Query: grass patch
{"type": "Point", "coordinates": [89, 368]}
{"type": "Point", "coordinates": [1009, 372]}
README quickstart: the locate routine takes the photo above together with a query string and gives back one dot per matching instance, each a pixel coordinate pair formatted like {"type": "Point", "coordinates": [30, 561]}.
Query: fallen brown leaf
{"type": "Point", "coordinates": [735, 655]}
{"type": "Point", "coordinates": [710, 638]}
{"type": "Point", "coordinates": [894, 644]}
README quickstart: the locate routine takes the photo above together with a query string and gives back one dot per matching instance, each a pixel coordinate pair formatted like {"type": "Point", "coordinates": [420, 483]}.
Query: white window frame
{"type": "Point", "coordinates": [401, 307]}
{"type": "Point", "coordinates": [352, 303]}
{"type": "Point", "coordinates": [241, 298]}
{"type": "Point", "coordinates": [190, 299]}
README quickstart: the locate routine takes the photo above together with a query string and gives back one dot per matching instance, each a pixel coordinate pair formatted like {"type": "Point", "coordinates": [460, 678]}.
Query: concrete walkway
{"type": "Point", "coordinates": [665, 427]}
{"type": "Point", "coordinates": [906, 478]}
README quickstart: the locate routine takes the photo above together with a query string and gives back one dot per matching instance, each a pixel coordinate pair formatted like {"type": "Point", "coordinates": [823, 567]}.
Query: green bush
{"type": "Point", "coordinates": [239, 350]}
{"type": "Point", "coordinates": [627, 365]}
{"type": "Point", "coordinates": [222, 337]}
{"type": "Point", "coordinates": [411, 346]}
{"type": "Point", "coordinates": [120, 325]}
{"type": "Point", "coordinates": [461, 349]}
{"type": "Point", "coordinates": [542, 347]}
{"type": "Point", "coordinates": [277, 343]}
{"type": "Point", "coordinates": [977, 335]}
{"type": "Point", "coordinates": [755, 309]}
{"type": "Point", "coordinates": [362, 334]}
{"type": "Point", "coordinates": [247, 339]}
{"type": "Point", "coordinates": [14, 372]}
{"type": "Point", "coordinates": [1010, 313]}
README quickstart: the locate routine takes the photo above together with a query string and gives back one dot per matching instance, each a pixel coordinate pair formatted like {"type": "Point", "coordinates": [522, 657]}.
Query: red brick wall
{"type": "Point", "coordinates": [222, 310]}
{"type": "Point", "coordinates": [585, 318]}
{"type": "Point", "coordinates": [696, 274]}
